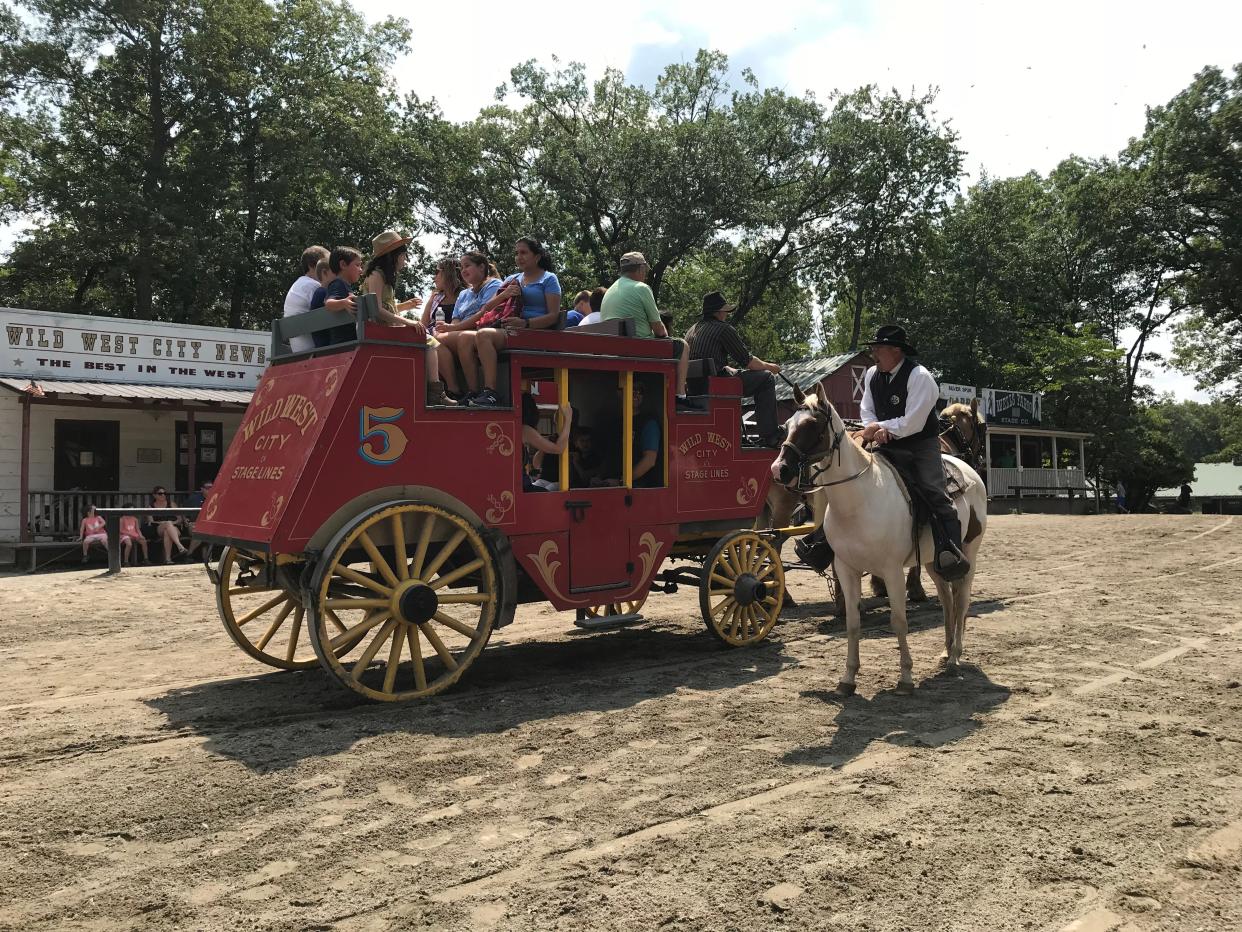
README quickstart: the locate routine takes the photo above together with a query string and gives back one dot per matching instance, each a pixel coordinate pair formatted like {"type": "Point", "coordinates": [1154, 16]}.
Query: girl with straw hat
{"type": "Point", "coordinates": [389, 255]}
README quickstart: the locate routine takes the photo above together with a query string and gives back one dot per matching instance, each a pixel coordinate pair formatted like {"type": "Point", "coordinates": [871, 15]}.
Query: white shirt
{"type": "Point", "coordinates": [921, 395]}
{"type": "Point", "coordinates": [298, 301]}
{"type": "Point", "coordinates": [592, 318]}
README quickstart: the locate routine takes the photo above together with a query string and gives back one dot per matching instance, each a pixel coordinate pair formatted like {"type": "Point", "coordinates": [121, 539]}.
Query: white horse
{"type": "Point", "coordinates": [869, 526]}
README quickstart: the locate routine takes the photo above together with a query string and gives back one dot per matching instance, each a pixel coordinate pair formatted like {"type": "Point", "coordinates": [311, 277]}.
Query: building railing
{"type": "Point", "coordinates": [1002, 479]}
{"type": "Point", "coordinates": [58, 515]}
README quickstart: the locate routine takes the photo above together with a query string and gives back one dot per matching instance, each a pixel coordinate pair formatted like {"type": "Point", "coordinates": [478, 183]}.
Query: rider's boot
{"type": "Point", "coordinates": [814, 550]}
{"type": "Point", "coordinates": [950, 563]}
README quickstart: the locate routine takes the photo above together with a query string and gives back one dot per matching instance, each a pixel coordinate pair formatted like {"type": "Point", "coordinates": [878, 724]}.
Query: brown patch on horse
{"type": "Point", "coordinates": [973, 527]}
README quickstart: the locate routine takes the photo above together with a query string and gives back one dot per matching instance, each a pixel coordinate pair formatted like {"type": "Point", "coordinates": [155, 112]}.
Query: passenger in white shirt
{"type": "Point", "coordinates": [298, 300]}
{"type": "Point", "coordinates": [899, 416]}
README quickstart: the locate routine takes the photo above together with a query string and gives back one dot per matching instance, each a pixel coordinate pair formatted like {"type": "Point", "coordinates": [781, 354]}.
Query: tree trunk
{"type": "Point", "coordinates": [856, 331]}
{"type": "Point", "coordinates": [79, 293]}
{"type": "Point", "coordinates": [153, 175]}
{"type": "Point", "coordinates": [243, 272]}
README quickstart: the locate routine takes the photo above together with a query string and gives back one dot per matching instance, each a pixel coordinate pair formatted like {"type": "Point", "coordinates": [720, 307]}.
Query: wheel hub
{"type": "Point", "coordinates": [416, 604]}
{"type": "Point", "coordinates": [748, 589]}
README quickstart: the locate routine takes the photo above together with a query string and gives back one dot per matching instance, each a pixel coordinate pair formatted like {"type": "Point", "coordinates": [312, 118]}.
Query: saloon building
{"type": "Point", "coordinates": [97, 410]}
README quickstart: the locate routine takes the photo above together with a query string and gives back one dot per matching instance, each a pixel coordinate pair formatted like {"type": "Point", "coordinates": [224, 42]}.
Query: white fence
{"type": "Point", "coordinates": [1001, 481]}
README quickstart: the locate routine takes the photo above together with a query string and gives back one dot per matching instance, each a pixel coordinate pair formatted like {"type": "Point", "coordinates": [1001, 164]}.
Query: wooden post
{"type": "Point", "coordinates": [627, 428]}
{"type": "Point", "coordinates": [112, 525]}
{"type": "Point", "coordinates": [23, 533]}
{"type": "Point", "coordinates": [562, 398]}
{"type": "Point", "coordinates": [191, 450]}
{"type": "Point", "coordinates": [987, 461]}
{"type": "Point", "coordinates": [1056, 464]}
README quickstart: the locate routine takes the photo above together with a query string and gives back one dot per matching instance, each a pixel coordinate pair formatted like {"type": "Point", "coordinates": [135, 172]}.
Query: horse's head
{"type": "Point", "coordinates": [807, 436]}
{"type": "Point", "coordinates": [966, 427]}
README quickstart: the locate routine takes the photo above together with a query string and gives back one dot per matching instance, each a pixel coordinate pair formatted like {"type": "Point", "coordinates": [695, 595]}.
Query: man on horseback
{"type": "Point", "coordinates": [899, 418]}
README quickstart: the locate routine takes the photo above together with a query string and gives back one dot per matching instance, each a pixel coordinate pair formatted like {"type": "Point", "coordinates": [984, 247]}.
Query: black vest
{"type": "Point", "coordinates": [889, 401]}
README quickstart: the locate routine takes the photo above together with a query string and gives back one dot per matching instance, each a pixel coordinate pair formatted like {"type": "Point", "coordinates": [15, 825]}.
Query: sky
{"type": "Point", "coordinates": [1024, 84]}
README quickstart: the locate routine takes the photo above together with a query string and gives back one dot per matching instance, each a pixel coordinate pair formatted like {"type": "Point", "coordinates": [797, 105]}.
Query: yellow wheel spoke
{"type": "Point", "coordinates": [346, 641]}
{"type": "Point", "coordinates": [730, 559]}
{"type": "Point", "coordinates": [457, 574]}
{"type": "Point", "coordinates": [276, 623]}
{"type": "Point", "coordinates": [467, 598]}
{"type": "Point", "coordinates": [377, 558]}
{"type": "Point", "coordinates": [293, 635]}
{"type": "Point", "coordinates": [765, 572]}
{"type": "Point", "coordinates": [362, 579]}
{"type": "Point", "coordinates": [721, 605]}
{"type": "Point", "coordinates": [722, 581]}
{"type": "Point", "coordinates": [420, 675]}
{"type": "Point", "coordinates": [450, 622]}
{"type": "Point", "coordinates": [731, 619]}
{"type": "Point", "coordinates": [247, 590]}
{"type": "Point", "coordinates": [355, 603]}
{"type": "Point", "coordinates": [445, 552]}
{"type": "Point", "coordinates": [335, 619]}
{"type": "Point", "coordinates": [394, 659]}
{"type": "Point", "coordinates": [265, 607]}
{"type": "Point", "coordinates": [420, 552]}
{"type": "Point", "coordinates": [398, 546]}
{"type": "Point", "coordinates": [434, 639]}
{"type": "Point", "coordinates": [377, 642]}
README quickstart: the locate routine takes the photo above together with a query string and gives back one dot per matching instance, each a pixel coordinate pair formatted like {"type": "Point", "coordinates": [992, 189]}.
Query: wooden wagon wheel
{"type": "Point", "coordinates": [742, 588]}
{"type": "Point", "coordinates": [263, 620]}
{"type": "Point", "coordinates": [404, 600]}
{"type": "Point", "coordinates": [624, 607]}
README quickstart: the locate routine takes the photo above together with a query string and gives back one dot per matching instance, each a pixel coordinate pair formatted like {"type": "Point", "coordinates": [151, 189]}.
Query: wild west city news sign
{"type": "Point", "coordinates": [78, 348]}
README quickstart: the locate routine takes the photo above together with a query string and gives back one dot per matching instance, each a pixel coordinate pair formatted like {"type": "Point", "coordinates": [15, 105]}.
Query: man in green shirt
{"type": "Point", "coordinates": [630, 297]}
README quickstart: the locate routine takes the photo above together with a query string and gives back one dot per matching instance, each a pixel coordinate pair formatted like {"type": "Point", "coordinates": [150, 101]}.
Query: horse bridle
{"type": "Point", "coordinates": [974, 449]}
{"type": "Point", "coordinates": [806, 462]}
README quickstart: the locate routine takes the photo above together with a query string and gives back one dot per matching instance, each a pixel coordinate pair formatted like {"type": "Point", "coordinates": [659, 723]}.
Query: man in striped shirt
{"type": "Point", "coordinates": [712, 338]}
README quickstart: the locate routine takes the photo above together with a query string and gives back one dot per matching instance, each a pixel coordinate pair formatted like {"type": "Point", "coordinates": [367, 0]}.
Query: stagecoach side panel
{"type": "Point", "coordinates": [715, 477]}
{"type": "Point", "coordinates": [268, 457]}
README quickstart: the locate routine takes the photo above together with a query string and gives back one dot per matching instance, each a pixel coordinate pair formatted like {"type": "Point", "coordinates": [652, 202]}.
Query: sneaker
{"type": "Point", "coordinates": [437, 397]}
{"type": "Point", "coordinates": [686, 403]}
{"type": "Point", "coordinates": [485, 399]}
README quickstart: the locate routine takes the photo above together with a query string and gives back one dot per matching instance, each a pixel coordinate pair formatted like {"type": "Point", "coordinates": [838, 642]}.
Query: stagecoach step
{"type": "Point", "coordinates": [605, 622]}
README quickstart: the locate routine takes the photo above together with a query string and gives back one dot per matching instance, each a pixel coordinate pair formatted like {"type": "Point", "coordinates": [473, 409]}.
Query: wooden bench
{"type": "Point", "coordinates": [1049, 492]}
{"type": "Point", "coordinates": [321, 320]}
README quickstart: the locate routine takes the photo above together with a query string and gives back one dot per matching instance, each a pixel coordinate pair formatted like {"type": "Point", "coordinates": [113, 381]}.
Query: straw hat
{"type": "Point", "coordinates": [387, 241]}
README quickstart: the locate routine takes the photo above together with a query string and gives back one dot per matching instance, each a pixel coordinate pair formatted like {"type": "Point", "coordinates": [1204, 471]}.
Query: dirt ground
{"type": "Point", "coordinates": [1084, 772]}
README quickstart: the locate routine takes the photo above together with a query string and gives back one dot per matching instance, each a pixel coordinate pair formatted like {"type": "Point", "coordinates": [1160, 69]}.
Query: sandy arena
{"type": "Point", "coordinates": [1084, 773]}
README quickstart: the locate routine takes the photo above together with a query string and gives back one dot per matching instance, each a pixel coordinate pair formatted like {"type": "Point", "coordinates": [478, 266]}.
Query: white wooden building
{"type": "Point", "coordinates": [100, 410]}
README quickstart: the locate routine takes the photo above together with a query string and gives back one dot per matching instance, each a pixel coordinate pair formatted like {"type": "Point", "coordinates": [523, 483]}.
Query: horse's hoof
{"type": "Point", "coordinates": [905, 689]}
{"type": "Point", "coordinates": [845, 689]}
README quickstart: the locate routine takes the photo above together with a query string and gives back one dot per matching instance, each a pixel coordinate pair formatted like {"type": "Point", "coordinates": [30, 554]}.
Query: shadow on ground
{"type": "Point", "coordinates": [273, 721]}
{"type": "Point", "coordinates": [945, 708]}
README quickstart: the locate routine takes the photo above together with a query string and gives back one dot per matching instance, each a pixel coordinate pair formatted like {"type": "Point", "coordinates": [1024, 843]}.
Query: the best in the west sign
{"type": "Point", "coordinates": [75, 347]}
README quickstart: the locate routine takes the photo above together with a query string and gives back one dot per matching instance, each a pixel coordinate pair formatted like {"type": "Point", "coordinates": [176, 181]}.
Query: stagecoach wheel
{"type": "Point", "coordinates": [404, 600]}
{"type": "Point", "coordinates": [624, 607]}
{"type": "Point", "coordinates": [267, 622]}
{"type": "Point", "coordinates": [742, 589]}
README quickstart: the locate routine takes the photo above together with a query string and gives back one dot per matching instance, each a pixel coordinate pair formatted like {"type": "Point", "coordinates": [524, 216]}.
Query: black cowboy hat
{"type": "Point", "coordinates": [713, 302]}
{"type": "Point", "coordinates": [893, 335]}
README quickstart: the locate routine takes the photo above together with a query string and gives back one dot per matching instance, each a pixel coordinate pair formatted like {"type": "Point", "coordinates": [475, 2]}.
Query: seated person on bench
{"type": "Point", "coordinates": [535, 443]}
{"type": "Point", "coordinates": [630, 297]}
{"type": "Point", "coordinates": [712, 338]}
{"type": "Point", "coordinates": [645, 448]}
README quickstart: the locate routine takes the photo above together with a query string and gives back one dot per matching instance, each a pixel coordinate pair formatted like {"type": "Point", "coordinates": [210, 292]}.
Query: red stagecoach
{"type": "Point", "coordinates": [388, 538]}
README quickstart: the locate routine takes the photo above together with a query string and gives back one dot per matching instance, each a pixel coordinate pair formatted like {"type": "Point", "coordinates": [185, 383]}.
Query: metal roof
{"type": "Point", "coordinates": [128, 390]}
{"type": "Point", "coordinates": [1212, 480]}
{"type": "Point", "coordinates": [806, 372]}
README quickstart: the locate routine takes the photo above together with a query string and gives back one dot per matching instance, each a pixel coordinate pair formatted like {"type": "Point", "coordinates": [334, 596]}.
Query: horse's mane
{"type": "Point", "coordinates": [957, 409]}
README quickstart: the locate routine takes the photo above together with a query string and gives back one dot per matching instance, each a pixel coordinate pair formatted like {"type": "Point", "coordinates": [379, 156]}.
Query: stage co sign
{"type": "Point", "coordinates": [1021, 409]}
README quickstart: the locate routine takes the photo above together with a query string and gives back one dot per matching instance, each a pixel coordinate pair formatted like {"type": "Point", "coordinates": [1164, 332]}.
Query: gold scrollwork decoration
{"type": "Point", "coordinates": [748, 492]}
{"type": "Point", "coordinates": [274, 510]}
{"type": "Point", "coordinates": [330, 381]}
{"type": "Point", "coordinates": [546, 566]}
{"type": "Point", "coordinates": [650, 552]}
{"type": "Point", "coordinates": [500, 506]}
{"type": "Point", "coordinates": [500, 441]}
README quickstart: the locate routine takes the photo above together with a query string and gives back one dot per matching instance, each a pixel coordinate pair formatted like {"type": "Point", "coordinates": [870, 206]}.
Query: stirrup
{"type": "Point", "coordinates": [955, 570]}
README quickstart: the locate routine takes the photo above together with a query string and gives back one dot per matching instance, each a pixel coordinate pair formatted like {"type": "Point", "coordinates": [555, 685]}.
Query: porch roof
{"type": "Point", "coordinates": [995, 429]}
{"type": "Point", "coordinates": [126, 391]}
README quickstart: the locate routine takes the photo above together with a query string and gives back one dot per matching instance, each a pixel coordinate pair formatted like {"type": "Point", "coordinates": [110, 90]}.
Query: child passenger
{"type": "Point", "coordinates": [344, 270]}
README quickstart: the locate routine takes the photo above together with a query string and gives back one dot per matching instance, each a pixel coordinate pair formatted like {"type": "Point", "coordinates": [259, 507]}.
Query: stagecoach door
{"type": "Point", "coordinates": [599, 540]}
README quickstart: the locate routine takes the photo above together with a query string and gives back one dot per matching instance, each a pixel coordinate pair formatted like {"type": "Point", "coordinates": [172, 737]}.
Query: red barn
{"type": "Point", "coordinates": [842, 377]}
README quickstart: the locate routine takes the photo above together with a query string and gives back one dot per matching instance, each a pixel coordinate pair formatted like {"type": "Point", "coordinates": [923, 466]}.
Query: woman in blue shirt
{"type": "Point", "coordinates": [457, 336]}
{"type": "Point", "coordinates": [538, 293]}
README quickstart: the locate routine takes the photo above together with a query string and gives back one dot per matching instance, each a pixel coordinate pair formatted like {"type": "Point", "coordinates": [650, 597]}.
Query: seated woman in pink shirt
{"type": "Point", "coordinates": [91, 531]}
{"type": "Point", "coordinates": [131, 534]}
